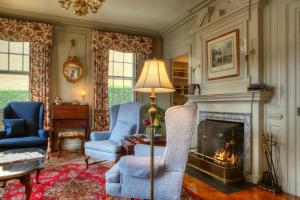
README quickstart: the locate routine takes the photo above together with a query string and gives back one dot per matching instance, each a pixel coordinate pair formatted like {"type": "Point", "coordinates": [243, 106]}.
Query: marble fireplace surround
{"type": "Point", "coordinates": [248, 108]}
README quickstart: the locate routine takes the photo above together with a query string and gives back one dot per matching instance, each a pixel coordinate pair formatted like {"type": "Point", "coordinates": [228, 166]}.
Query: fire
{"type": "Point", "coordinates": [225, 156]}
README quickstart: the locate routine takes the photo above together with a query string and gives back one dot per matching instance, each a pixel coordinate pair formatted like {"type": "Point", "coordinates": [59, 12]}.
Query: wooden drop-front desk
{"type": "Point", "coordinates": [69, 116]}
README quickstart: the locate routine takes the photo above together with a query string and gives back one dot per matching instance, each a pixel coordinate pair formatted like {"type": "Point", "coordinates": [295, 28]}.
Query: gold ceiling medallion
{"type": "Point", "coordinates": [81, 7]}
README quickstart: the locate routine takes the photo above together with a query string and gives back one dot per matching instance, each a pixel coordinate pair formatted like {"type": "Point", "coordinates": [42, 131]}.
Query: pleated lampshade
{"type": "Point", "coordinates": [154, 76]}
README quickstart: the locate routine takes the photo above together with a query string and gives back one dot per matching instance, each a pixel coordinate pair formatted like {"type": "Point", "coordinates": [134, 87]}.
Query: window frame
{"type": "Point", "coordinates": [23, 54]}
{"type": "Point", "coordinates": [113, 77]}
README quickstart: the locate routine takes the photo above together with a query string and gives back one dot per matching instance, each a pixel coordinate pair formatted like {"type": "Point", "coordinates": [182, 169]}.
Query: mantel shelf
{"type": "Point", "coordinates": [255, 96]}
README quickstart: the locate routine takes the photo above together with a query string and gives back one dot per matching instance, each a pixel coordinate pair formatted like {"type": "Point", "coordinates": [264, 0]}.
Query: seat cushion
{"type": "Point", "coordinates": [14, 127]}
{"type": "Point", "coordinates": [121, 130]}
{"type": "Point", "coordinates": [108, 146]}
{"type": "Point", "coordinates": [20, 142]}
{"type": "Point", "coordinates": [140, 166]}
{"type": "Point", "coordinates": [113, 174]}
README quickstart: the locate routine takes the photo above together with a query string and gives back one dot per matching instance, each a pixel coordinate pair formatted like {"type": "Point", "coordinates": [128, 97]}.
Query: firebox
{"type": "Point", "coordinates": [220, 150]}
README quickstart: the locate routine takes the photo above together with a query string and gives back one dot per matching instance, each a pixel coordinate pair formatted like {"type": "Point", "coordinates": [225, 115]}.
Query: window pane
{"type": "Point", "coordinates": [128, 97]}
{"type": "Point", "coordinates": [26, 48]}
{"type": "Point", "coordinates": [118, 85]}
{"type": "Point", "coordinates": [16, 47]}
{"type": "Point", "coordinates": [118, 69]}
{"type": "Point", "coordinates": [118, 98]}
{"type": "Point", "coordinates": [3, 46]}
{"type": "Point", "coordinates": [128, 70]}
{"type": "Point", "coordinates": [15, 62]}
{"type": "Point", "coordinates": [26, 63]}
{"type": "Point", "coordinates": [128, 87]}
{"type": "Point", "coordinates": [118, 56]}
{"type": "Point", "coordinates": [3, 61]}
{"type": "Point", "coordinates": [13, 88]}
{"type": "Point", "coordinates": [110, 68]}
{"type": "Point", "coordinates": [129, 57]}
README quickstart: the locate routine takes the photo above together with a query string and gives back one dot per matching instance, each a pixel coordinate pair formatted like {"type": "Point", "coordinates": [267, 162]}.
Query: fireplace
{"type": "Point", "coordinates": [222, 149]}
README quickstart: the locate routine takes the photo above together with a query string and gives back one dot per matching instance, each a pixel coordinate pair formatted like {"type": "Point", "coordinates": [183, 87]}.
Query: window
{"type": "Point", "coordinates": [14, 72]}
{"type": "Point", "coordinates": [121, 77]}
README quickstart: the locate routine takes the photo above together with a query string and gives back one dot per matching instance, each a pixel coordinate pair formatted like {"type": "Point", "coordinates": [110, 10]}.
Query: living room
{"type": "Point", "coordinates": [161, 99]}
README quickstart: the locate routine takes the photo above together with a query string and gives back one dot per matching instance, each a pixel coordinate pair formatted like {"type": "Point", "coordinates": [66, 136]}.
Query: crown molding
{"type": "Point", "coordinates": [80, 23]}
{"type": "Point", "coordinates": [184, 18]}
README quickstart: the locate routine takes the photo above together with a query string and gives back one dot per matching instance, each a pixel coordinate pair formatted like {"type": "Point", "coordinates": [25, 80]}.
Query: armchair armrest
{"type": "Point", "coordinates": [140, 166]}
{"type": "Point", "coordinates": [144, 150]}
{"type": "Point", "coordinates": [100, 135]}
{"type": "Point", "coordinates": [43, 133]}
{"type": "Point", "coordinates": [2, 134]}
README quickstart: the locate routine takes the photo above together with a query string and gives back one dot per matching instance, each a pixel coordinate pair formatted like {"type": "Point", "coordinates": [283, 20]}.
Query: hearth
{"type": "Point", "coordinates": [220, 150]}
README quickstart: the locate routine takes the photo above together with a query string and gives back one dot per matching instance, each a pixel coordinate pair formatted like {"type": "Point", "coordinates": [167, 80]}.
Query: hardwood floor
{"type": "Point", "coordinates": [207, 192]}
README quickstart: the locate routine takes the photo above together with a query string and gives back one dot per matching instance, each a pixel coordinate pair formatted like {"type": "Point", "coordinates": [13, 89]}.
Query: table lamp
{"type": "Point", "coordinates": [153, 79]}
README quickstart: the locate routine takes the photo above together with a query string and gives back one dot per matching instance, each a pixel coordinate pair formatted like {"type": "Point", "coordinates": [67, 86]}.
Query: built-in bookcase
{"type": "Point", "coordinates": [180, 79]}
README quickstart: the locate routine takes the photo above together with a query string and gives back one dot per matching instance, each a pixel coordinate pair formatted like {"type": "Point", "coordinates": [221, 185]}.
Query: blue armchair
{"type": "Point", "coordinates": [130, 177]}
{"type": "Point", "coordinates": [125, 119]}
{"type": "Point", "coordinates": [34, 135]}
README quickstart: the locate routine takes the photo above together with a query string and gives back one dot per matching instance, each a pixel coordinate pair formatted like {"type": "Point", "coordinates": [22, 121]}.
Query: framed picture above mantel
{"type": "Point", "coordinates": [223, 56]}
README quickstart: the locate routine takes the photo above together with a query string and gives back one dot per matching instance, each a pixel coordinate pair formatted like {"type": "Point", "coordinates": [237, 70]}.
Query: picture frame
{"type": "Point", "coordinates": [223, 56]}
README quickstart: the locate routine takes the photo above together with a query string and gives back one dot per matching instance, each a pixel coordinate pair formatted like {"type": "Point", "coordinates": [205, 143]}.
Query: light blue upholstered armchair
{"type": "Point", "coordinates": [130, 177]}
{"type": "Point", "coordinates": [125, 119]}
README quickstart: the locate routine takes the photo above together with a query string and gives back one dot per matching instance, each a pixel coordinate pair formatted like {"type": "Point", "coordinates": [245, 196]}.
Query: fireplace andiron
{"type": "Point", "coordinates": [269, 180]}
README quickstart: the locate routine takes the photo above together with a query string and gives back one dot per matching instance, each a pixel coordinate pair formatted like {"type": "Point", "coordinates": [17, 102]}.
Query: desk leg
{"type": "Point", "coordinates": [26, 181]}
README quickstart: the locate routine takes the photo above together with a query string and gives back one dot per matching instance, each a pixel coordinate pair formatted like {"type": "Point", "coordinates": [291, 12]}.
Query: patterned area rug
{"type": "Point", "coordinates": [66, 179]}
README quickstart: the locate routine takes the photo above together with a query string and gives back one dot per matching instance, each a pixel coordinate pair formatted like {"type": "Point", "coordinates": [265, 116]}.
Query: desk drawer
{"type": "Point", "coordinates": [65, 123]}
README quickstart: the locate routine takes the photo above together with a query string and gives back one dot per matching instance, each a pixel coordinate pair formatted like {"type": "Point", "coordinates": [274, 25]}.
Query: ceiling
{"type": "Point", "coordinates": [151, 15]}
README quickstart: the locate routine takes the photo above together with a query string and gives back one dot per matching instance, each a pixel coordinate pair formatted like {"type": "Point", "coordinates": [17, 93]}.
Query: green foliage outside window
{"type": "Point", "coordinates": [7, 96]}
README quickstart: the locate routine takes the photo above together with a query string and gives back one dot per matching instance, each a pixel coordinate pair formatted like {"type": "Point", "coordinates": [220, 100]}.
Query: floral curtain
{"type": "Point", "coordinates": [102, 42]}
{"type": "Point", "coordinates": [40, 37]}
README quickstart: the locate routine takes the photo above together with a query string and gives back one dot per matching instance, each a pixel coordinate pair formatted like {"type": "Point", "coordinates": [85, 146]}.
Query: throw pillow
{"type": "Point", "coordinates": [14, 127]}
{"type": "Point", "coordinates": [121, 130]}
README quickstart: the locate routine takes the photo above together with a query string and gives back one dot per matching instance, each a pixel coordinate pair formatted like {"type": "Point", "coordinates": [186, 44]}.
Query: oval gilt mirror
{"type": "Point", "coordinates": [73, 69]}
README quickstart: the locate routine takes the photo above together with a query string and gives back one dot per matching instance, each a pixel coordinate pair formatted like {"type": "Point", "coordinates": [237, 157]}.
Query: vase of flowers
{"type": "Point", "coordinates": [158, 121]}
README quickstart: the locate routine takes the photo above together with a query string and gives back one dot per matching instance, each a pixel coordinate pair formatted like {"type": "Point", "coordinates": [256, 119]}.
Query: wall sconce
{"type": "Point", "coordinates": [244, 50]}
{"type": "Point", "coordinates": [252, 52]}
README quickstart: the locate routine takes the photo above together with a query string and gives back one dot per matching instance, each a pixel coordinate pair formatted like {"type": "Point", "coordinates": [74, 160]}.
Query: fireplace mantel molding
{"type": "Point", "coordinates": [256, 96]}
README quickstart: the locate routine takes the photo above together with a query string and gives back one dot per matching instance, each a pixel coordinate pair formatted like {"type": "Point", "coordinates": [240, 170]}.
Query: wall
{"type": "Point", "coordinates": [70, 92]}
{"type": "Point", "coordinates": [282, 71]}
{"type": "Point", "coordinates": [276, 64]}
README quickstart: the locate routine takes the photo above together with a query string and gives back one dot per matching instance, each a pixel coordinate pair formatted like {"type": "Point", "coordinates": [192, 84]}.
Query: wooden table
{"type": "Point", "coordinates": [69, 116]}
{"type": "Point", "coordinates": [129, 142]}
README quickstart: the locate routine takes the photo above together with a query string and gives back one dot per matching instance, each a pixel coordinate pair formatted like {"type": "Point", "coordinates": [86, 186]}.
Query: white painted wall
{"type": "Point", "coordinates": [277, 64]}
{"type": "Point", "coordinates": [282, 71]}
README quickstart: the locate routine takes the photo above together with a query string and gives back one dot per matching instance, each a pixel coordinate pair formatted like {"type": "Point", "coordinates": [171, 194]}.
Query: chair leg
{"type": "Point", "coordinates": [59, 146]}
{"type": "Point", "coordinates": [86, 160]}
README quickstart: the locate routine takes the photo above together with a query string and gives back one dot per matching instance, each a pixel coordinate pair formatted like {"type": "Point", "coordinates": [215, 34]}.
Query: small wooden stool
{"type": "Point", "coordinates": [70, 135]}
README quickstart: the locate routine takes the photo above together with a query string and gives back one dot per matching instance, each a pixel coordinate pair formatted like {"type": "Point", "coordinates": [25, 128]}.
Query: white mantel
{"type": "Point", "coordinates": [256, 96]}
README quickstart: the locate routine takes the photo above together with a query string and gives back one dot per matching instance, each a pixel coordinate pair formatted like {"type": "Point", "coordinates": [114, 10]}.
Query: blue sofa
{"type": "Point", "coordinates": [34, 135]}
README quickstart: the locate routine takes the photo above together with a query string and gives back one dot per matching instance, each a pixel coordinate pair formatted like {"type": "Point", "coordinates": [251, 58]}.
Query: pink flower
{"type": "Point", "coordinates": [147, 121]}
